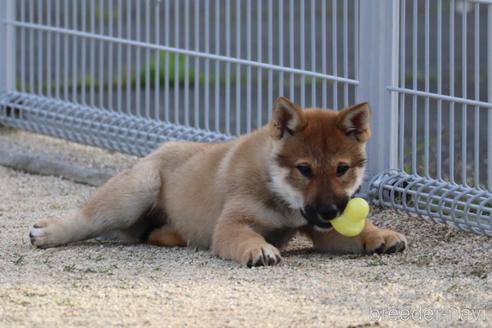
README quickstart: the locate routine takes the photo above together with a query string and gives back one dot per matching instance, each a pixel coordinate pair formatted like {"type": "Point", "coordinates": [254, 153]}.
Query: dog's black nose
{"type": "Point", "coordinates": [328, 211]}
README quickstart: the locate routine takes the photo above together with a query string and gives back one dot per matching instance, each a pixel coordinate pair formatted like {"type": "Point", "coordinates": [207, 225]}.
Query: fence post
{"type": "Point", "coordinates": [378, 69]}
{"type": "Point", "coordinates": [7, 46]}
{"type": "Point", "coordinates": [489, 97]}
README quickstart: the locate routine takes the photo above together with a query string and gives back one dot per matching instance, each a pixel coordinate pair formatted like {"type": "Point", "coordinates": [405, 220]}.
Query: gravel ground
{"type": "Point", "coordinates": [443, 274]}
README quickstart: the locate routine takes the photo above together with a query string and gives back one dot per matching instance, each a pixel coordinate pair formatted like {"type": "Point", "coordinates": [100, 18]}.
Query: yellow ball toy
{"type": "Point", "coordinates": [351, 222]}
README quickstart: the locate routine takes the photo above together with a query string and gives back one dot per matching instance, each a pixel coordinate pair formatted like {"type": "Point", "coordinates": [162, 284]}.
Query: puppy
{"type": "Point", "coordinates": [244, 199]}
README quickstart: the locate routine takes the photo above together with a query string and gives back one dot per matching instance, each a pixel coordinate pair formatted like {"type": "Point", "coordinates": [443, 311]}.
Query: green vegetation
{"type": "Point", "coordinates": [169, 63]}
{"type": "Point", "coordinates": [168, 60]}
{"type": "Point", "coordinates": [19, 260]}
{"type": "Point", "coordinates": [69, 268]}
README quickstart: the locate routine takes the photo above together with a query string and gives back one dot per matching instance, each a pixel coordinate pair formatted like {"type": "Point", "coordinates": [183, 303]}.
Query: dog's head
{"type": "Point", "coordinates": [319, 157]}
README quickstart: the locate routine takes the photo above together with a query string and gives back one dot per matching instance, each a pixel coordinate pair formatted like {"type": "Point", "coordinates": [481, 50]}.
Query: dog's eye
{"type": "Point", "coordinates": [305, 170]}
{"type": "Point", "coordinates": [342, 169]}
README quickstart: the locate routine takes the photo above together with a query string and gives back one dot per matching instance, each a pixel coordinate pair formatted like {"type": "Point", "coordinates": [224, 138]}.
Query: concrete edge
{"type": "Point", "coordinates": [43, 165]}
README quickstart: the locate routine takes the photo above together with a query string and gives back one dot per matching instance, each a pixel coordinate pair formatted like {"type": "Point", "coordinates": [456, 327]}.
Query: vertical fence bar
{"type": "Point", "coordinates": [66, 42]}
{"type": "Point", "coordinates": [40, 48]}
{"type": "Point", "coordinates": [7, 42]}
{"type": "Point", "coordinates": [187, 63]}
{"type": "Point", "coordinates": [119, 67]}
{"type": "Point", "coordinates": [464, 83]}
{"type": "Point", "coordinates": [157, 62]}
{"type": "Point", "coordinates": [401, 117]}
{"type": "Point", "coordinates": [426, 87]}
{"type": "Point", "coordinates": [248, 69]}
{"type": "Point", "coordinates": [167, 75]}
{"type": "Point", "coordinates": [138, 59]}
{"type": "Point", "coordinates": [217, 70]}
{"type": "Point", "coordinates": [83, 56]}
{"type": "Point", "coordinates": [451, 91]}
{"type": "Point", "coordinates": [476, 128]}
{"type": "Point", "coordinates": [302, 48]}
{"type": "Point", "coordinates": [110, 55]}
{"type": "Point", "coordinates": [75, 46]}
{"type": "Point", "coordinates": [147, 59]}
{"type": "Point", "coordinates": [259, 84]}
{"type": "Point", "coordinates": [291, 48]}
{"type": "Point", "coordinates": [197, 64]}
{"type": "Point", "coordinates": [92, 55]}
{"type": "Point", "coordinates": [489, 98]}
{"type": "Point", "coordinates": [356, 43]}
{"type": "Point", "coordinates": [177, 58]}
{"type": "Point", "coordinates": [280, 51]}
{"type": "Point", "coordinates": [439, 90]}
{"type": "Point", "coordinates": [378, 69]}
{"type": "Point", "coordinates": [324, 55]}
{"type": "Point", "coordinates": [31, 48]}
{"type": "Point", "coordinates": [414, 85]}
{"type": "Point", "coordinates": [228, 28]}
{"type": "Point", "coordinates": [207, 62]}
{"type": "Point", "coordinates": [270, 55]}
{"type": "Point", "coordinates": [23, 63]}
{"type": "Point", "coordinates": [345, 53]}
{"type": "Point", "coordinates": [238, 67]}
{"type": "Point", "coordinates": [101, 54]}
{"type": "Point", "coordinates": [313, 52]}
{"type": "Point", "coordinates": [49, 60]}
{"type": "Point", "coordinates": [128, 56]}
{"type": "Point", "coordinates": [334, 41]}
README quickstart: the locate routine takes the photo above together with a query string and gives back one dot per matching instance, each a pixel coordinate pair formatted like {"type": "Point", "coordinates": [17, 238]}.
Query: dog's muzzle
{"type": "Point", "coordinates": [314, 219]}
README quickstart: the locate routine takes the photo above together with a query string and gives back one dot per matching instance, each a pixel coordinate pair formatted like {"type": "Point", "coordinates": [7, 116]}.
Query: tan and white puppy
{"type": "Point", "coordinates": [244, 199]}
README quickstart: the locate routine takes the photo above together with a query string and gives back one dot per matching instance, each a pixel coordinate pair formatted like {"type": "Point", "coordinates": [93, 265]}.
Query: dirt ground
{"type": "Point", "coordinates": [443, 279]}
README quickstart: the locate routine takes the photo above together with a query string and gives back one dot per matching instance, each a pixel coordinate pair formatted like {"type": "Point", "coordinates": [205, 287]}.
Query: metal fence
{"type": "Point", "coordinates": [444, 162]}
{"type": "Point", "coordinates": [128, 75]}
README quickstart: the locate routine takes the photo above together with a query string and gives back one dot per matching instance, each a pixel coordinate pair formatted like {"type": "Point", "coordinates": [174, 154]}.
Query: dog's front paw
{"type": "Point", "coordinates": [382, 241]}
{"type": "Point", "coordinates": [45, 233]}
{"type": "Point", "coordinates": [261, 255]}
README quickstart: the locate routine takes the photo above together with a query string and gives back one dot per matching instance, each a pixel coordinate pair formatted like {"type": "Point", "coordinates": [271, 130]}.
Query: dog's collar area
{"type": "Point", "coordinates": [314, 219]}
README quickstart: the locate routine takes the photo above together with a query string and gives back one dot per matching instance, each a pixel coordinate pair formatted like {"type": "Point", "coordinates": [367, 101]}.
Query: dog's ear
{"type": "Point", "coordinates": [287, 118]}
{"type": "Point", "coordinates": [354, 122]}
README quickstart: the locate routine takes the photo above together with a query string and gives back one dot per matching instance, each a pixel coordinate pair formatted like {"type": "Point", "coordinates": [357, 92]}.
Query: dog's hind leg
{"type": "Point", "coordinates": [115, 206]}
{"type": "Point", "coordinates": [166, 236]}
